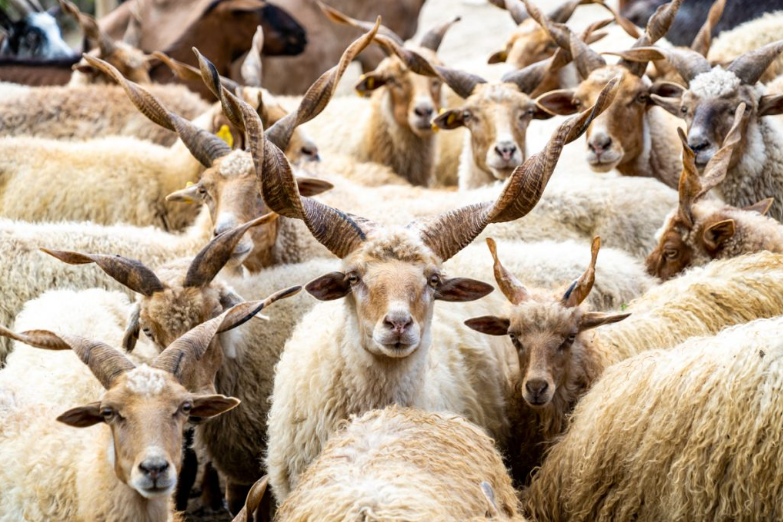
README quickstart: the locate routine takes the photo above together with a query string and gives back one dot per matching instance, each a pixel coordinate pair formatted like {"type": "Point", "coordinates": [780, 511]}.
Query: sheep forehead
{"type": "Point", "coordinates": [487, 94]}
{"type": "Point", "coordinates": [177, 310]}
{"type": "Point", "coordinates": [130, 56]}
{"type": "Point", "coordinates": [716, 83]}
{"type": "Point", "coordinates": [146, 382]}
{"type": "Point", "coordinates": [236, 164]}
{"type": "Point", "coordinates": [547, 315]}
{"type": "Point", "coordinates": [402, 244]}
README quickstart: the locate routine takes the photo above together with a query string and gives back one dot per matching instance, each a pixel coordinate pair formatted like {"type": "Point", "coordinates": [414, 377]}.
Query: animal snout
{"type": "Point", "coordinates": [153, 468]}
{"type": "Point", "coordinates": [600, 143]}
{"type": "Point", "coordinates": [310, 152]}
{"type": "Point", "coordinates": [424, 110]}
{"type": "Point", "coordinates": [506, 150]}
{"type": "Point", "coordinates": [698, 143]}
{"type": "Point", "coordinates": [397, 322]}
{"type": "Point", "coordinates": [536, 387]}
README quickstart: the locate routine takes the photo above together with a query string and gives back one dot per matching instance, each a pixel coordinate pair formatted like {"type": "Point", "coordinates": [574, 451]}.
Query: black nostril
{"type": "Point", "coordinates": [423, 111]}
{"type": "Point", "coordinates": [536, 387]}
{"type": "Point", "coordinates": [154, 468]}
{"type": "Point", "coordinates": [397, 322]}
{"type": "Point", "coordinates": [698, 147]}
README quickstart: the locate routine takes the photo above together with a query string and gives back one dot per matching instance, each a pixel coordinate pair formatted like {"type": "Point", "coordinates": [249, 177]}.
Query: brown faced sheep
{"type": "Point", "coordinates": [558, 362]}
{"type": "Point", "coordinates": [701, 229]}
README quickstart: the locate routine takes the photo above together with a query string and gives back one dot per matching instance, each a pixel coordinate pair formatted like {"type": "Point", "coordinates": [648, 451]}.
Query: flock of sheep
{"type": "Point", "coordinates": [613, 350]}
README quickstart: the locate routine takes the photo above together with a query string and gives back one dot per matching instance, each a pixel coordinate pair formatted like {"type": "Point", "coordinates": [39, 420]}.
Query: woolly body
{"type": "Point", "coordinates": [748, 36]}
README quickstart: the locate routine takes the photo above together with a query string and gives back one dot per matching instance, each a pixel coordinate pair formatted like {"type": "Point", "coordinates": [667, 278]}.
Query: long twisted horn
{"type": "Point", "coordinates": [181, 357]}
{"type": "Point", "coordinates": [104, 362]}
{"type": "Point", "coordinates": [514, 291]}
{"type": "Point", "coordinates": [460, 82]}
{"type": "Point", "coordinates": [339, 18]}
{"type": "Point", "coordinates": [128, 272]}
{"type": "Point", "coordinates": [450, 232]}
{"type": "Point", "coordinates": [514, 7]}
{"type": "Point", "coordinates": [433, 38]}
{"type": "Point", "coordinates": [252, 67]}
{"type": "Point", "coordinates": [187, 72]}
{"type": "Point", "coordinates": [213, 257]}
{"type": "Point", "coordinates": [657, 27]}
{"type": "Point", "coordinates": [701, 44]}
{"type": "Point", "coordinates": [750, 66]}
{"type": "Point", "coordinates": [204, 146]}
{"type": "Point", "coordinates": [689, 64]}
{"type": "Point", "coordinates": [580, 289]}
{"type": "Point", "coordinates": [90, 27]}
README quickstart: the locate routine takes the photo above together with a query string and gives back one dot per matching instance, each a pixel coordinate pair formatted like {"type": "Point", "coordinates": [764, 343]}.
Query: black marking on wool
{"type": "Point", "coordinates": [570, 289]}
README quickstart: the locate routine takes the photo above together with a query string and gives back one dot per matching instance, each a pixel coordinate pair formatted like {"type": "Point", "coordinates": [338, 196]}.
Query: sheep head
{"type": "Point", "coordinates": [700, 230]}
{"type": "Point", "coordinates": [410, 98]}
{"type": "Point", "coordinates": [146, 407]}
{"type": "Point", "coordinates": [181, 296]}
{"type": "Point", "coordinates": [391, 277]}
{"type": "Point", "coordinates": [618, 136]}
{"type": "Point", "coordinates": [546, 330]}
{"type": "Point", "coordinates": [714, 93]}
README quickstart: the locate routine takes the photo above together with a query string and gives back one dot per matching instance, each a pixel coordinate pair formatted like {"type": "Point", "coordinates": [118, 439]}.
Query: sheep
{"type": "Point", "coordinates": [451, 471]}
{"type": "Point", "coordinates": [748, 36]}
{"type": "Point", "coordinates": [396, 130]}
{"type": "Point", "coordinates": [634, 136]}
{"type": "Point", "coordinates": [35, 35]}
{"type": "Point", "coordinates": [684, 434]}
{"type": "Point", "coordinates": [707, 106]}
{"type": "Point", "coordinates": [127, 470]}
{"type": "Point", "coordinates": [176, 27]}
{"type": "Point", "coordinates": [36, 72]}
{"type": "Point", "coordinates": [530, 43]}
{"type": "Point", "coordinates": [557, 362]}
{"type": "Point", "coordinates": [700, 229]}
{"type": "Point", "coordinates": [184, 293]}
{"type": "Point", "coordinates": [375, 348]}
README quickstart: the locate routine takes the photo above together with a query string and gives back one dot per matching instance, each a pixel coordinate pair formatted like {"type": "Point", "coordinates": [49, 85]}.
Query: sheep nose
{"type": "Point", "coordinates": [154, 467]}
{"type": "Point", "coordinates": [310, 152]}
{"type": "Point", "coordinates": [600, 143]}
{"type": "Point", "coordinates": [536, 387]}
{"type": "Point", "coordinates": [505, 150]}
{"type": "Point", "coordinates": [424, 111]}
{"type": "Point", "coordinates": [397, 321]}
{"type": "Point", "coordinates": [698, 144]}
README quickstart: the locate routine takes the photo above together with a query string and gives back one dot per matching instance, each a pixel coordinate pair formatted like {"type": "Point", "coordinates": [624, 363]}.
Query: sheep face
{"type": "Point", "coordinates": [497, 117]}
{"type": "Point", "coordinates": [528, 44]}
{"type": "Point", "coordinates": [620, 134]}
{"type": "Point", "coordinates": [146, 410]}
{"type": "Point", "coordinates": [131, 62]}
{"type": "Point", "coordinates": [411, 100]}
{"type": "Point", "coordinates": [391, 284]}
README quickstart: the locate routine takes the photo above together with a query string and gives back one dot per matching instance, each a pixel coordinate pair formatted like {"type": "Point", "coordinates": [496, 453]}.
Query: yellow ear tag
{"type": "Point", "coordinates": [370, 83]}
{"type": "Point", "coordinates": [441, 111]}
{"type": "Point", "coordinates": [225, 134]}
{"type": "Point", "coordinates": [450, 119]}
{"type": "Point", "coordinates": [435, 128]}
{"type": "Point", "coordinates": [189, 201]}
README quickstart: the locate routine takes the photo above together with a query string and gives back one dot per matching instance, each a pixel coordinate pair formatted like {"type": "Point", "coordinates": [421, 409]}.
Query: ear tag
{"type": "Point", "coordinates": [441, 111]}
{"type": "Point", "coordinates": [450, 119]}
{"type": "Point", "coordinates": [435, 128]}
{"type": "Point", "coordinates": [370, 83]}
{"type": "Point", "coordinates": [225, 134]}
{"type": "Point", "coordinates": [189, 201]}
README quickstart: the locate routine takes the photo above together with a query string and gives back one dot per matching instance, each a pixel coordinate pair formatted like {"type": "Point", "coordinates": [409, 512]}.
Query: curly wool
{"type": "Point", "coordinates": [715, 84]}
{"type": "Point", "coordinates": [692, 433]}
{"type": "Point", "coordinates": [702, 301]}
{"type": "Point", "coordinates": [360, 475]}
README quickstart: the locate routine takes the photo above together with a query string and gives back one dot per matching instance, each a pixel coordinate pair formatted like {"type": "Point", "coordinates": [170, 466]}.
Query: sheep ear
{"type": "Point", "coordinates": [667, 90]}
{"type": "Point", "coordinates": [450, 119]}
{"type": "Point", "coordinates": [540, 113]}
{"type": "Point", "coordinates": [244, 6]}
{"type": "Point", "coordinates": [498, 57]}
{"type": "Point", "coordinates": [461, 290]}
{"type": "Point", "coordinates": [560, 102]}
{"type": "Point", "coordinates": [670, 105]}
{"type": "Point", "coordinates": [489, 324]}
{"type": "Point", "coordinates": [593, 319]}
{"type": "Point", "coordinates": [82, 416]}
{"type": "Point", "coordinates": [369, 82]}
{"type": "Point", "coordinates": [310, 187]}
{"type": "Point", "coordinates": [770, 104]}
{"type": "Point", "coordinates": [131, 334]}
{"type": "Point", "coordinates": [762, 207]}
{"type": "Point", "coordinates": [206, 406]}
{"type": "Point", "coordinates": [718, 233]}
{"type": "Point", "coordinates": [329, 287]}
{"type": "Point", "coordinates": [189, 194]}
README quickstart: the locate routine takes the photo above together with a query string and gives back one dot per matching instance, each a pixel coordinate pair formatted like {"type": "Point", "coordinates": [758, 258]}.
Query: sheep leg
{"type": "Point", "coordinates": [187, 475]}
{"type": "Point", "coordinates": [211, 496]}
{"type": "Point", "coordinates": [236, 494]}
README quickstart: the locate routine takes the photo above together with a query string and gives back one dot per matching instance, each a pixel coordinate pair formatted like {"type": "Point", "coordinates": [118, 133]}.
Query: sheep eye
{"type": "Point", "coordinates": [466, 115]}
{"type": "Point", "coordinates": [643, 98]}
{"type": "Point", "coordinates": [202, 190]}
{"type": "Point", "coordinates": [107, 414]}
{"type": "Point", "coordinates": [186, 407]}
{"type": "Point", "coordinates": [434, 280]}
{"type": "Point", "coordinates": [148, 333]}
{"type": "Point", "coordinates": [577, 103]}
{"type": "Point", "coordinates": [684, 110]}
{"type": "Point", "coordinates": [671, 254]}
{"type": "Point", "coordinates": [353, 278]}
{"type": "Point", "coordinates": [571, 338]}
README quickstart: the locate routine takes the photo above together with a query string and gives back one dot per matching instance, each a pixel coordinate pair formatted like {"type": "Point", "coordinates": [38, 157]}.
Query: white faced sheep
{"type": "Point", "coordinates": [386, 343]}
{"type": "Point", "coordinates": [708, 105]}
{"type": "Point", "coordinates": [182, 294]}
{"type": "Point", "coordinates": [691, 433]}
{"type": "Point", "coordinates": [450, 471]}
{"type": "Point", "coordinates": [633, 136]}
{"type": "Point", "coordinates": [701, 229]}
{"type": "Point", "coordinates": [397, 130]}
{"type": "Point", "coordinates": [557, 361]}
{"type": "Point", "coordinates": [127, 469]}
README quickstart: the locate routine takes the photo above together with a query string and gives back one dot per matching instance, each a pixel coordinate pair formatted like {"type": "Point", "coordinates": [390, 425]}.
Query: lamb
{"type": "Point", "coordinates": [700, 229]}
{"type": "Point", "coordinates": [397, 131]}
{"type": "Point", "coordinates": [707, 106]}
{"type": "Point", "coordinates": [127, 470]}
{"type": "Point", "coordinates": [636, 450]}
{"type": "Point", "coordinates": [634, 136]}
{"type": "Point", "coordinates": [184, 293]}
{"type": "Point", "coordinates": [451, 471]}
{"type": "Point", "coordinates": [376, 348]}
